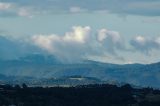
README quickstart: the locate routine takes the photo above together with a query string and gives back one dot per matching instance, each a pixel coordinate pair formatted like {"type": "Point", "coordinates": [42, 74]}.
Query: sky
{"type": "Point", "coordinates": [112, 31]}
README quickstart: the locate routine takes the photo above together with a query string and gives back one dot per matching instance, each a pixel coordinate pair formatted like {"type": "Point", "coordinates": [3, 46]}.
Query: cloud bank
{"type": "Point", "coordinates": [133, 7]}
{"type": "Point", "coordinates": [80, 43]}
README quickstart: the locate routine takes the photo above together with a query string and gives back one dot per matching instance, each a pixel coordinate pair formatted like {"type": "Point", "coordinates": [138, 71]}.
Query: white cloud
{"type": "Point", "coordinates": [12, 9]}
{"type": "Point", "coordinates": [111, 40]}
{"type": "Point", "coordinates": [157, 41]}
{"type": "Point", "coordinates": [77, 9]}
{"type": "Point", "coordinates": [80, 43]}
{"type": "Point", "coordinates": [105, 46]}
{"type": "Point", "coordinates": [79, 34]}
{"type": "Point", "coordinates": [104, 34]}
{"type": "Point", "coordinates": [4, 6]}
{"type": "Point", "coordinates": [145, 45]}
{"type": "Point", "coordinates": [72, 46]}
{"type": "Point", "coordinates": [140, 40]}
{"type": "Point", "coordinates": [24, 12]}
{"type": "Point", "coordinates": [44, 41]}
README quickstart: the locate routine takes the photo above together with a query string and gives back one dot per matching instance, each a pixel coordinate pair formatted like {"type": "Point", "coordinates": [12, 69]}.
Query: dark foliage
{"type": "Point", "coordinates": [85, 95]}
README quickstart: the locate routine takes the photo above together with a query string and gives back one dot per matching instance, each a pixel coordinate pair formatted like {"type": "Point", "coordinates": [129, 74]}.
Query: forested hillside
{"type": "Point", "coordinates": [85, 95]}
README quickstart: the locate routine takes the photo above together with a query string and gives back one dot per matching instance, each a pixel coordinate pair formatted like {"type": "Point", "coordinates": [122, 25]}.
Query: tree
{"type": "Point", "coordinates": [24, 86]}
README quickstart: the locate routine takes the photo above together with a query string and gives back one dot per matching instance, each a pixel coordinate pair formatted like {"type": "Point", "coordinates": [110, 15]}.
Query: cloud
{"type": "Point", "coordinates": [111, 40]}
{"type": "Point", "coordinates": [75, 9]}
{"type": "Point", "coordinates": [24, 12]}
{"type": "Point", "coordinates": [72, 46]}
{"type": "Point", "coordinates": [6, 9]}
{"type": "Point", "coordinates": [123, 7]}
{"type": "Point", "coordinates": [4, 6]}
{"type": "Point", "coordinates": [80, 43]}
{"type": "Point", "coordinates": [12, 9]}
{"type": "Point", "coordinates": [145, 45]}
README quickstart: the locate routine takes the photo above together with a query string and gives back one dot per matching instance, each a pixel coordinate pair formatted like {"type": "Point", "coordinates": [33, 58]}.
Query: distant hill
{"type": "Point", "coordinates": [40, 66]}
{"type": "Point", "coordinates": [50, 82]}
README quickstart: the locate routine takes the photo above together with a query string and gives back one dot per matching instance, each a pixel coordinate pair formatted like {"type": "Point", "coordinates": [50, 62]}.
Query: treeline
{"type": "Point", "coordinates": [85, 95]}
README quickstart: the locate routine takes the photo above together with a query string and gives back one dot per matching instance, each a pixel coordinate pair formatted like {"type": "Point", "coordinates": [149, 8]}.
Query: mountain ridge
{"type": "Point", "coordinates": [40, 66]}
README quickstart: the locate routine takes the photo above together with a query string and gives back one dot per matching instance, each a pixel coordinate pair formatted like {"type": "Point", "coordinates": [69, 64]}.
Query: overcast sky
{"type": "Point", "coordinates": [114, 31]}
